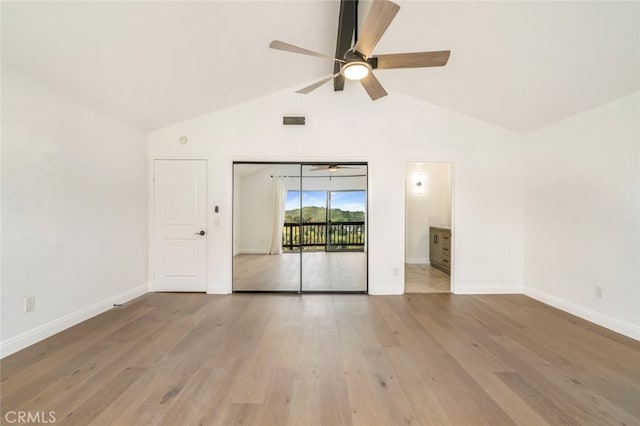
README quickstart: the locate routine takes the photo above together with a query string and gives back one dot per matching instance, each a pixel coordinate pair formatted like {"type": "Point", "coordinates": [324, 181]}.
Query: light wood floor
{"type": "Point", "coordinates": [322, 271]}
{"type": "Point", "coordinates": [426, 359]}
{"type": "Point", "coordinates": [425, 279]}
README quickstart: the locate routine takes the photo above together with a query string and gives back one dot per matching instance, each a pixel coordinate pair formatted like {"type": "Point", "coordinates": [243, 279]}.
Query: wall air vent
{"type": "Point", "coordinates": [291, 120]}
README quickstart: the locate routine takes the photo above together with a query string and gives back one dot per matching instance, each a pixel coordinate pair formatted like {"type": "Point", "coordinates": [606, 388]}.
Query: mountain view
{"type": "Point", "coordinates": [315, 214]}
{"type": "Point", "coordinates": [346, 206]}
{"type": "Point", "coordinates": [315, 233]}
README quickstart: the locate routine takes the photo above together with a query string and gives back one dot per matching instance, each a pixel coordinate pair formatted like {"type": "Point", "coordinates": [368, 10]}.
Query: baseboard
{"type": "Point", "coordinates": [418, 261]}
{"type": "Point", "coordinates": [386, 291]}
{"type": "Point", "coordinates": [28, 338]}
{"type": "Point", "coordinates": [252, 251]}
{"type": "Point", "coordinates": [488, 289]}
{"type": "Point", "coordinates": [219, 288]}
{"type": "Point", "coordinates": [615, 324]}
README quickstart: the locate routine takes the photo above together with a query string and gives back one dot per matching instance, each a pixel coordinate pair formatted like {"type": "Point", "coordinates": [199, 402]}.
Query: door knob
{"type": "Point", "coordinates": [200, 233]}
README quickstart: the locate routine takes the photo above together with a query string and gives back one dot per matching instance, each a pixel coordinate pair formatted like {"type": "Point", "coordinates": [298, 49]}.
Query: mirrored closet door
{"type": "Point", "coordinates": [334, 206]}
{"type": "Point", "coordinates": [263, 258]}
{"type": "Point", "coordinates": [299, 227]}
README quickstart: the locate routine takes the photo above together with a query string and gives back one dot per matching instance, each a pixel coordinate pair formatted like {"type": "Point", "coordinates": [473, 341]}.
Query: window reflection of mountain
{"type": "Point", "coordinates": [319, 214]}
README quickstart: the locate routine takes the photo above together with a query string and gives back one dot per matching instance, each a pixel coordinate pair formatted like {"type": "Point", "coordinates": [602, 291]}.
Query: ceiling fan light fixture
{"type": "Point", "coordinates": [356, 70]}
{"type": "Point", "coordinates": [357, 62]}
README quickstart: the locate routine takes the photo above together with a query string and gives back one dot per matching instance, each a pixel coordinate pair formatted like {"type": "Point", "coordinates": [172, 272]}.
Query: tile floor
{"type": "Point", "coordinates": [425, 279]}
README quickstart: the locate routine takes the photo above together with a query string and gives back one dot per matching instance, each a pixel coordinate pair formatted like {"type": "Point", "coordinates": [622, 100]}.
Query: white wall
{"type": "Point", "coordinates": [582, 215]}
{"type": "Point", "coordinates": [327, 184]}
{"type": "Point", "coordinates": [432, 207]}
{"type": "Point", "coordinates": [74, 211]}
{"type": "Point", "coordinates": [387, 133]}
{"type": "Point", "coordinates": [254, 212]}
{"type": "Point", "coordinates": [237, 209]}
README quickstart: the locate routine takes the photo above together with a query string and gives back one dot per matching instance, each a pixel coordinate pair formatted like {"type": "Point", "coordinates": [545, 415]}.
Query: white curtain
{"type": "Point", "coordinates": [279, 201]}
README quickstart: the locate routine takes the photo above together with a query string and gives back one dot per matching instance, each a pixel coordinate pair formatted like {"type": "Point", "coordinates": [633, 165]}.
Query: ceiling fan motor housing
{"type": "Point", "coordinates": [352, 55]}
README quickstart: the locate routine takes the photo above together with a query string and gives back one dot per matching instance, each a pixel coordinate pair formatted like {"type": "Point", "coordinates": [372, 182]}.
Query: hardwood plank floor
{"type": "Point", "coordinates": [428, 359]}
{"type": "Point", "coordinates": [321, 271]}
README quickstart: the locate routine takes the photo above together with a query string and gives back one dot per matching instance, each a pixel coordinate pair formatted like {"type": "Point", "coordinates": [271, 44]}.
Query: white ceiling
{"type": "Point", "coordinates": [520, 65]}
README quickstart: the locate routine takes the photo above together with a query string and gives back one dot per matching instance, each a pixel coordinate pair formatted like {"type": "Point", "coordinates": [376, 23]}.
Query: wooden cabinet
{"type": "Point", "coordinates": [440, 248]}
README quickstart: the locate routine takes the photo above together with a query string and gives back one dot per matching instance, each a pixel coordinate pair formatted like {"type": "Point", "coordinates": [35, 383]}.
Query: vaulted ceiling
{"type": "Point", "coordinates": [519, 65]}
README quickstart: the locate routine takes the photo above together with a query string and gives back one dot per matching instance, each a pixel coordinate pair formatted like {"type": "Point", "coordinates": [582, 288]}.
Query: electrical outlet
{"type": "Point", "coordinates": [599, 294]}
{"type": "Point", "coordinates": [29, 304]}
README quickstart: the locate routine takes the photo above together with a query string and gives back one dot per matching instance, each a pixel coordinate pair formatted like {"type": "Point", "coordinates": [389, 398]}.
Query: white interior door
{"type": "Point", "coordinates": [180, 240]}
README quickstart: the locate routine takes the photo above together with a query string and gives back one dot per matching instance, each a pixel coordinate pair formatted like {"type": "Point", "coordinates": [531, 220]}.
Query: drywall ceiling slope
{"type": "Point", "coordinates": [156, 63]}
{"type": "Point", "coordinates": [519, 65]}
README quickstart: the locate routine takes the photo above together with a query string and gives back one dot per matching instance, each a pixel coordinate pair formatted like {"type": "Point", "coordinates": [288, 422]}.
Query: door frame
{"type": "Point", "coordinates": [151, 216]}
{"type": "Point", "coordinates": [302, 164]}
{"type": "Point", "coordinates": [454, 264]}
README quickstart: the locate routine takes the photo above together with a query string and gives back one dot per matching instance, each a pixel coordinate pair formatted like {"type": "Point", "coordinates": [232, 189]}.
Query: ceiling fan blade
{"type": "Point", "coordinates": [412, 60]}
{"type": "Point", "coordinates": [373, 87]}
{"type": "Point", "coordinates": [281, 45]}
{"type": "Point", "coordinates": [317, 84]}
{"type": "Point", "coordinates": [331, 168]}
{"type": "Point", "coordinates": [380, 16]}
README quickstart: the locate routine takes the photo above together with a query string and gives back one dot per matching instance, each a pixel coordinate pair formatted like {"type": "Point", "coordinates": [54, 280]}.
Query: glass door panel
{"type": "Point", "coordinates": [333, 211]}
{"type": "Point", "coordinates": [346, 223]}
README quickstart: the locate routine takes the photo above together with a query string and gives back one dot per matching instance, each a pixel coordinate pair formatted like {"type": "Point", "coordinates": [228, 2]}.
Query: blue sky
{"type": "Point", "coordinates": [347, 200]}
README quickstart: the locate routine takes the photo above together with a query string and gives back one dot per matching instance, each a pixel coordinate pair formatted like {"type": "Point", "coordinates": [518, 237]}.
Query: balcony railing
{"type": "Point", "coordinates": [324, 236]}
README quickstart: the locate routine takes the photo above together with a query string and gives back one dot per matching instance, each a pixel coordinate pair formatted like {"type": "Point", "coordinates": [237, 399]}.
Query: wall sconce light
{"type": "Point", "coordinates": [419, 184]}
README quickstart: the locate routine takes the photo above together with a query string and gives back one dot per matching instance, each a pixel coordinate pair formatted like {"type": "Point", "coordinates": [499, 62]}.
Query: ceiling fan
{"type": "Point", "coordinates": [330, 168]}
{"type": "Point", "coordinates": [358, 63]}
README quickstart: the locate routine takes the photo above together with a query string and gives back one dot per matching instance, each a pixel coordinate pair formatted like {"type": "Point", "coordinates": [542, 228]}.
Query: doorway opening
{"type": "Point", "coordinates": [300, 227]}
{"type": "Point", "coordinates": [428, 227]}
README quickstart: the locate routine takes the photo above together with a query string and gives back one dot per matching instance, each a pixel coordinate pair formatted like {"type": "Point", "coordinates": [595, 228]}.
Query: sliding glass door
{"type": "Point", "coordinates": [346, 218]}
{"type": "Point", "coordinates": [300, 227]}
